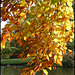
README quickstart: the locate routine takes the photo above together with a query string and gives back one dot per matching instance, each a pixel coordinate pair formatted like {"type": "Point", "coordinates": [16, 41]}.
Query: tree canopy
{"type": "Point", "coordinates": [41, 27]}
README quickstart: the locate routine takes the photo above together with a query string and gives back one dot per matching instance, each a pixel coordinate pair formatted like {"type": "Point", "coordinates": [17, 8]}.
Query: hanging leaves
{"type": "Point", "coordinates": [45, 71]}
{"type": "Point", "coordinates": [42, 28]}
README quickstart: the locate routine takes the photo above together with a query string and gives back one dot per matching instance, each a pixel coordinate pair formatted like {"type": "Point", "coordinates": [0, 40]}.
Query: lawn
{"type": "Point", "coordinates": [14, 61]}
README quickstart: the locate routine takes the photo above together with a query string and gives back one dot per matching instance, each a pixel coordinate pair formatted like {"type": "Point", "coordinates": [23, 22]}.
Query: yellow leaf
{"type": "Point", "coordinates": [52, 6]}
{"type": "Point", "coordinates": [47, 9]}
{"type": "Point", "coordinates": [59, 62]}
{"type": "Point", "coordinates": [57, 32]}
{"type": "Point", "coordinates": [23, 3]}
{"type": "Point", "coordinates": [28, 22]}
{"type": "Point", "coordinates": [55, 57]}
{"type": "Point", "coordinates": [71, 40]}
{"type": "Point", "coordinates": [60, 52]}
{"type": "Point", "coordinates": [10, 39]}
{"type": "Point", "coordinates": [68, 27]}
{"type": "Point", "coordinates": [23, 14]}
{"type": "Point", "coordinates": [45, 71]}
{"type": "Point", "coordinates": [56, 40]}
{"type": "Point", "coordinates": [42, 8]}
{"type": "Point", "coordinates": [61, 58]}
{"type": "Point", "coordinates": [31, 73]}
{"type": "Point", "coordinates": [25, 38]}
{"type": "Point", "coordinates": [39, 15]}
{"type": "Point", "coordinates": [47, 57]}
{"type": "Point", "coordinates": [49, 33]}
{"type": "Point", "coordinates": [50, 68]}
{"type": "Point", "coordinates": [50, 55]}
{"type": "Point", "coordinates": [69, 50]}
{"type": "Point", "coordinates": [69, 3]}
{"type": "Point", "coordinates": [28, 55]}
{"type": "Point", "coordinates": [3, 46]}
{"type": "Point", "coordinates": [67, 10]}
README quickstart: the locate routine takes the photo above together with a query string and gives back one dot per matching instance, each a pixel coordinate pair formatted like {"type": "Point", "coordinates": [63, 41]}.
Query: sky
{"type": "Point", "coordinates": [3, 24]}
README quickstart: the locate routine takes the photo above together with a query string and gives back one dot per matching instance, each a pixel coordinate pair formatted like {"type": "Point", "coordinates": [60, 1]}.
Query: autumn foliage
{"type": "Point", "coordinates": [42, 28]}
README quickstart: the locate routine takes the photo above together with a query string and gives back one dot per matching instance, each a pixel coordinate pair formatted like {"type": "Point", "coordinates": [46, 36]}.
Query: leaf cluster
{"type": "Point", "coordinates": [42, 27]}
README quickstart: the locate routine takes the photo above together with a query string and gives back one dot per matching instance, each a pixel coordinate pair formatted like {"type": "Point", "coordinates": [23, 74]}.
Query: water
{"type": "Point", "coordinates": [5, 70]}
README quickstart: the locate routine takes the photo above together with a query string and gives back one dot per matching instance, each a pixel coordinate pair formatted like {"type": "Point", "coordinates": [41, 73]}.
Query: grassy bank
{"type": "Point", "coordinates": [21, 62]}
{"type": "Point", "coordinates": [14, 61]}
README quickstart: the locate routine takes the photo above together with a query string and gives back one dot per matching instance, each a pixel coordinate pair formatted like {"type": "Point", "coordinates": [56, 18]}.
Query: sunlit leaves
{"type": "Point", "coordinates": [23, 3]}
{"type": "Point", "coordinates": [31, 73]}
{"type": "Point", "coordinates": [23, 16]}
{"type": "Point", "coordinates": [45, 71]}
{"type": "Point", "coordinates": [55, 57]}
{"type": "Point", "coordinates": [25, 38]}
{"type": "Point", "coordinates": [10, 39]}
{"type": "Point", "coordinates": [59, 62]}
{"type": "Point", "coordinates": [2, 45]}
{"type": "Point", "coordinates": [28, 23]}
{"type": "Point", "coordinates": [70, 51]}
{"type": "Point", "coordinates": [42, 28]}
{"type": "Point", "coordinates": [69, 3]}
{"type": "Point", "coordinates": [50, 68]}
{"type": "Point", "coordinates": [50, 55]}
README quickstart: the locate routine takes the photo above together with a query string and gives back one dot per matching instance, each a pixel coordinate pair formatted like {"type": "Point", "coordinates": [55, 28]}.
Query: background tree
{"type": "Point", "coordinates": [42, 34]}
{"type": "Point", "coordinates": [11, 50]}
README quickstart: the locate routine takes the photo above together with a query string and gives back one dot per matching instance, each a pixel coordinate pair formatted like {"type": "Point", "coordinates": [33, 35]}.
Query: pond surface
{"type": "Point", "coordinates": [9, 70]}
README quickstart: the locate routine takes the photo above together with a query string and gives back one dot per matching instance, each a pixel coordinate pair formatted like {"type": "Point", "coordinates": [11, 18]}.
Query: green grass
{"type": "Point", "coordinates": [14, 61]}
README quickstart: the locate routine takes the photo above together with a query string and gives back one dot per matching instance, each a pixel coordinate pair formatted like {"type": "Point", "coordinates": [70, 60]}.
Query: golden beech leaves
{"type": "Point", "coordinates": [25, 38]}
{"type": "Point", "coordinates": [45, 71]}
{"type": "Point", "coordinates": [59, 62]}
{"type": "Point", "coordinates": [50, 68]}
{"type": "Point", "coordinates": [42, 28]}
